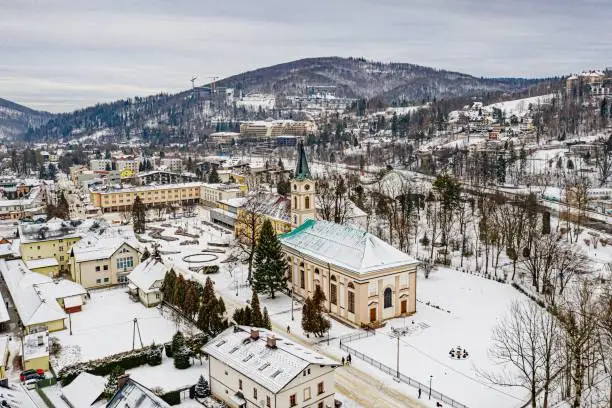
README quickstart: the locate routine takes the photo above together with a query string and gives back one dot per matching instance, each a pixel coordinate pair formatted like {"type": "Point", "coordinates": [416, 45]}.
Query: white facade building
{"type": "Point", "coordinates": [250, 367]}
{"type": "Point", "coordinates": [174, 164]}
{"type": "Point", "coordinates": [99, 164]}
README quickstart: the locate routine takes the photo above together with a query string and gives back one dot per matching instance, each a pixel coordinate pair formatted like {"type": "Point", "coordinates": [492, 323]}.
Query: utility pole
{"type": "Point", "coordinates": [397, 333]}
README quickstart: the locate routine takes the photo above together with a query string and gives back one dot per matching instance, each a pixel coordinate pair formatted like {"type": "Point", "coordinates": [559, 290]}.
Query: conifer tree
{"type": "Point", "coordinates": [62, 210]}
{"type": "Point", "coordinates": [202, 390]}
{"type": "Point", "coordinates": [145, 255]}
{"type": "Point", "coordinates": [209, 291]}
{"type": "Point", "coordinates": [178, 342]}
{"type": "Point", "coordinates": [154, 357]}
{"type": "Point", "coordinates": [213, 177]}
{"type": "Point", "coordinates": [112, 383]}
{"type": "Point", "coordinates": [313, 320]}
{"type": "Point", "coordinates": [138, 216]}
{"type": "Point", "coordinates": [270, 266]}
{"type": "Point", "coordinates": [181, 359]}
{"type": "Point", "coordinates": [257, 318]}
{"type": "Point", "coordinates": [190, 305]}
{"type": "Point", "coordinates": [266, 319]}
{"type": "Point", "coordinates": [168, 286]}
{"type": "Point", "coordinates": [178, 297]}
{"type": "Point", "coordinates": [218, 323]}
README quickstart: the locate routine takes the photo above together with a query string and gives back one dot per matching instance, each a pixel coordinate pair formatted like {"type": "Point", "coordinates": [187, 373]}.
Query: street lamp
{"type": "Point", "coordinates": [397, 333]}
{"type": "Point", "coordinates": [291, 293]}
{"type": "Point", "coordinates": [430, 378]}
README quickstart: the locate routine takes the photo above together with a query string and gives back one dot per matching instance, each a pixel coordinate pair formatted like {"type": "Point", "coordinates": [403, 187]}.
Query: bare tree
{"type": "Point", "coordinates": [576, 195]}
{"type": "Point", "coordinates": [332, 199]}
{"type": "Point", "coordinates": [248, 225]}
{"type": "Point", "coordinates": [603, 159]}
{"type": "Point", "coordinates": [525, 342]}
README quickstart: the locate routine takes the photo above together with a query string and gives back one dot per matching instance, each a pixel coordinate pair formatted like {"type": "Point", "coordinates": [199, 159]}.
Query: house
{"type": "Point", "coordinates": [35, 352]}
{"type": "Point", "coordinates": [104, 258]}
{"type": "Point", "coordinates": [146, 280]}
{"type": "Point", "coordinates": [84, 390]}
{"type": "Point", "coordinates": [53, 239]}
{"type": "Point", "coordinates": [40, 301]}
{"type": "Point", "coordinates": [46, 266]}
{"type": "Point", "coordinates": [364, 278]}
{"type": "Point", "coordinates": [250, 367]}
{"type": "Point", "coordinates": [133, 394]}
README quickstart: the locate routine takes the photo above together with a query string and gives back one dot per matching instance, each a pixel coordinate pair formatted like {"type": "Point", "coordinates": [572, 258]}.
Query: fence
{"type": "Point", "coordinates": [393, 372]}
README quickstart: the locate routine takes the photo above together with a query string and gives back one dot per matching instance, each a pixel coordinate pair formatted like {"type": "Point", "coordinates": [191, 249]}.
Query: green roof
{"type": "Point", "coordinates": [302, 172]}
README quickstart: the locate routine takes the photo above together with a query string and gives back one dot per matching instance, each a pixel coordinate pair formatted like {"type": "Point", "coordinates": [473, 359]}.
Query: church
{"type": "Point", "coordinates": [365, 280]}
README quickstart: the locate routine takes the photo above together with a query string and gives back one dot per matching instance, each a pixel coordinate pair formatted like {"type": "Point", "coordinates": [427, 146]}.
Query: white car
{"type": "Point", "coordinates": [31, 384]}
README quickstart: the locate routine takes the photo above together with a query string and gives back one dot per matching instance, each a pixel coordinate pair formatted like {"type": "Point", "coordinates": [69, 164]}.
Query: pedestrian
{"type": "Point", "coordinates": [348, 359]}
{"type": "Point", "coordinates": [288, 329]}
{"type": "Point", "coordinates": [419, 393]}
{"type": "Point", "coordinates": [342, 360]}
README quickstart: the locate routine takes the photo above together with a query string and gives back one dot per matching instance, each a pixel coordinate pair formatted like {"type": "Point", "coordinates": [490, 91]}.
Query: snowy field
{"type": "Point", "coordinates": [105, 326]}
{"type": "Point", "coordinates": [168, 377]}
{"type": "Point", "coordinates": [475, 305]}
{"type": "Point", "coordinates": [519, 106]}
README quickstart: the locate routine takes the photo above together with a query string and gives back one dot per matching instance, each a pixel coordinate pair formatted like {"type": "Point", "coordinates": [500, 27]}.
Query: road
{"type": "Point", "coordinates": [361, 387]}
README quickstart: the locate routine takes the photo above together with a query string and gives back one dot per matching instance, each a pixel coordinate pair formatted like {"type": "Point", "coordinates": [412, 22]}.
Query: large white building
{"type": "Point", "coordinates": [100, 164]}
{"type": "Point", "coordinates": [250, 367]}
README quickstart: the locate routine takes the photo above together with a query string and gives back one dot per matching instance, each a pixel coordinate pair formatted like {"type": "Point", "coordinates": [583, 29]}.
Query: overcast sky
{"type": "Point", "coordinates": [62, 55]}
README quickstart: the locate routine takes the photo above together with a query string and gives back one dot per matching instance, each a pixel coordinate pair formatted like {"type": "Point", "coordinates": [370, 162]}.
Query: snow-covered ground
{"type": "Point", "coordinates": [105, 326]}
{"type": "Point", "coordinates": [166, 376]}
{"type": "Point", "coordinates": [519, 106]}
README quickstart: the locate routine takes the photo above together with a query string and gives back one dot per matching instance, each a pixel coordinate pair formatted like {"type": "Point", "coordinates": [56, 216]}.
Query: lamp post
{"type": "Point", "coordinates": [430, 378]}
{"type": "Point", "coordinates": [397, 333]}
{"type": "Point", "coordinates": [291, 292]}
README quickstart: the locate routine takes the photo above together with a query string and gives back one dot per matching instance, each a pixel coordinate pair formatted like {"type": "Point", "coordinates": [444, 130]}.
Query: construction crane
{"type": "Point", "coordinates": [193, 81]}
{"type": "Point", "coordinates": [212, 83]}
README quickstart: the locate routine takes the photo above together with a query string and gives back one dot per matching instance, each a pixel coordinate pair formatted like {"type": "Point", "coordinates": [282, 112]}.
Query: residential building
{"type": "Point", "coordinates": [52, 239]}
{"type": "Point", "coordinates": [210, 194]}
{"type": "Point", "coordinates": [40, 301]}
{"type": "Point", "coordinates": [173, 164]}
{"type": "Point", "coordinates": [133, 394]}
{"type": "Point", "coordinates": [105, 257]}
{"type": "Point", "coordinates": [29, 204]}
{"type": "Point", "coordinates": [269, 206]}
{"type": "Point", "coordinates": [364, 279]}
{"type": "Point", "coordinates": [100, 165]}
{"type": "Point", "coordinates": [250, 367]}
{"type": "Point", "coordinates": [123, 164]}
{"type": "Point", "coordinates": [273, 128]}
{"type": "Point", "coordinates": [146, 280]}
{"type": "Point", "coordinates": [35, 350]}
{"type": "Point", "coordinates": [165, 177]}
{"type": "Point", "coordinates": [84, 390]}
{"type": "Point", "coordinates": [111, 200]}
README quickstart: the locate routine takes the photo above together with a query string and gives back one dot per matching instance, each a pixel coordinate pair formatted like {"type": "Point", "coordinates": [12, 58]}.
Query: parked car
{"type": "Point", "coordinates": [34, 376]}
{"type": "Point", "coordinates": [31, 384]}
{"type": "Point", "coordinates": [25, 373]}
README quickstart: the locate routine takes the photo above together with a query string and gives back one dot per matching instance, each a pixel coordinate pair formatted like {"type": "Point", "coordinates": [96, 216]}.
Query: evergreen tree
{"type": "Point", "coordinates": [248, 316]}
{"type": "Point", "coordinates": [190, 305]}
{"type": "Point", "coordinates": [168, 285]}
{"type": "Point", "coordinates": [209, 290]}
{"type": "Point", "coordinates": [62, 210]}
{"type": "Point", "coordinates": [313, 320]}
{"type": "Point", "coordinates": [283, 187]}
{"type": "Point", "coordinates": [154, 357]}
{"type": "Point", "coordinates": [266, 319]}
{"type": "Point", "coordinates": [178, 297]}
{"type": "Point", "coordinates": [138, 216]}
{"type": "Point", "coordinates": [178, 342]}
{"type": "Point", "coordinates": [202, 390]}
{"type": "Point", "coordinates": [181, 359]}
{"type": "Point", "coordinates": [218, 323]}
{"type": "Point", "coordinates": [270, 266]}
{"type": "Point", "coordinates": [213, 177]}
{"type": "Point", "coordinates": [257, 318]}
{"type": "Point", "coordinates": [145, 255]}
{"type": "Point", "coordinates": [112, 383]}
{"type": "Point", "coordinates": [238, 316]}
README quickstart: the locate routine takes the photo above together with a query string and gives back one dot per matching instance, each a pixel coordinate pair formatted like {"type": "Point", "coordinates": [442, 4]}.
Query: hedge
{"type": "Point", "coordinates": [210, 269]}
{"type": "Point", "coordinates": [44, 397]}
{"type": "Point", "coordinates": [172, 397]}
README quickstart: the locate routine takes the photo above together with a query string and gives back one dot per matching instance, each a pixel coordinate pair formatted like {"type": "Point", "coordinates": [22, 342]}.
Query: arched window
{"type": "Point", "coordinates": [317, 271]}
{"type": "Point", "coordinates": [307, 202]}
{"type": "Point", "coordinates": [351, 286]}
{"type": "Point", "coordinates": [333, 289]}
{"type": "Point", "coordinates": [333, 278]}
{"type": "Point", "coordinates": [388, 298]}
{"type": "Point", "coordinates": [295, 203]}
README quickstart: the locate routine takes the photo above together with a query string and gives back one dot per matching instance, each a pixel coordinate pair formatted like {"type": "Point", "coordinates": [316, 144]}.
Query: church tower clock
{"type": "Point", "coordinates": [302, 191]}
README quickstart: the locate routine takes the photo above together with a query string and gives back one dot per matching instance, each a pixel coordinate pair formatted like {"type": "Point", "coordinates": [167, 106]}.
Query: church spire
{"type": "Point", "coordinates": [301, 169]}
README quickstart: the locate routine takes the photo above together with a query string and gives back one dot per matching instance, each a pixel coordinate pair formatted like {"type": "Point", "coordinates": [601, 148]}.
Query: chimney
{"type": "Point", "coordinates": [121, 380]}
{"type": "Point", "coordinates": [271, 341]}
{"type": "Point", "coordinates": [254, 333]}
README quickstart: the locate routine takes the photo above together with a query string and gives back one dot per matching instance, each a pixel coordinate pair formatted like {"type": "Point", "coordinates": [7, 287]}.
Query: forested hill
{"type": "Point", "coordinates": [15, 119]}
{"type": "Point", "coordinates": [187, 114]}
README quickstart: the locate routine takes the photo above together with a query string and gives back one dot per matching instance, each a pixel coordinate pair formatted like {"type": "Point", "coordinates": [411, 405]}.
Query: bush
{"type": "Point", "coordinates": [172, 397]}
{"type": "Point", "coordinates": [155, 355]}
{"type": "Point", "coordinates": [210, 269]}
{"type": "Point", "coordinates": [181, 359]}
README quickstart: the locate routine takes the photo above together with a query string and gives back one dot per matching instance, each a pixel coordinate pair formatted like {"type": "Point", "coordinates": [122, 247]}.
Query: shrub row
{"type": "Point", "coordinates": [210, 269]}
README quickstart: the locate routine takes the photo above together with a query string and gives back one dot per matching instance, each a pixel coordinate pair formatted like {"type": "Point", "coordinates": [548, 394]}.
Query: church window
{"type": "Point", "coordinates": [307, 202]}
{"type": "Point", "coordinates": [388, 298]}
{"type": "Point", "coordinates": [351, 302]}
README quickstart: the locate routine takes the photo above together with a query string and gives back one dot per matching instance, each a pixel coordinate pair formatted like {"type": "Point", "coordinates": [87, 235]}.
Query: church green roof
{"type": "Point", "coordinates": [302, 172]}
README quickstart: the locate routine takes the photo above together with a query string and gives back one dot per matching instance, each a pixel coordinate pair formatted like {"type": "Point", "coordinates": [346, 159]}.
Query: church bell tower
{"type": "Point", "coordinates": [302, 191]}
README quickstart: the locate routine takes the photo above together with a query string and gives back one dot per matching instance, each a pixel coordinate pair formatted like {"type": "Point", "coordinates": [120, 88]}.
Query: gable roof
{"type": "Point", "coordinates": [133, 394]}
{"type": "Point", "coordinates": [345, 246]}
{"type": "Point", "coordinates": [84, 390]}
{"type": "Point", "coordinates": [273, 368]}
{"type": "Point", "coordinates": [103, 244]}
{"type": "Point", "coordinates": [147, 273]}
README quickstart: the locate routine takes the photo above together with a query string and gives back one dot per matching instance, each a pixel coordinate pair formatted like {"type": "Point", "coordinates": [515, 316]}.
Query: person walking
{"type": "Point", "coordinates": [348, 359]}
{"type": "Point", "coordinates": [419, 393]}
{"type": "Point", "coordinates": [288, 329]}
{"type": "Point", "coordinates": [342, 360]}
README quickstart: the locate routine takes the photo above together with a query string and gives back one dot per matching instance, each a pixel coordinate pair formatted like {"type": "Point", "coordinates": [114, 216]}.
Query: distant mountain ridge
{"type": "Point", "coordinates": [162, 116]}
{"type": "Point", "coordinates": [15, 119]}
{"type": "Point", "coordinates": [359, 78]}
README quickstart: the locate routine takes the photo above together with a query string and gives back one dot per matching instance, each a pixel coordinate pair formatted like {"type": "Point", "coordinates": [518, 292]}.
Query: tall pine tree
{"type": "Point", "coordinates": [138, 216]}
{"type": "Point", "coordinates": [178, 297]}
{"type": "Point", "coordinates": [266, 319]}
{"type": "Point", "coordinates": [270, 266]}
{"type": "Point", "coordinates": [256, 314]}
{"type": "Point", "coordinates": [313, 320]}
{"type": "Point", "coordinates": [168, 285]}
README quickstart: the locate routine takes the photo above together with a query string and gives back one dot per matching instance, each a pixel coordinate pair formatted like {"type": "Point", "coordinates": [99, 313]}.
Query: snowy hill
{"type": "Point", "coordinates": [519, 107]}
{"type": "Point", "coordinates": [15, 119]}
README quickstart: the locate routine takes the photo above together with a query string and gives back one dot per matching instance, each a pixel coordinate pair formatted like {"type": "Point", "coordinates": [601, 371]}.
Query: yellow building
{"type": "Point", "coordinates": [151, 196]}
{"type": "Point", "coordinates": [41, 243]}
{"type": "Point", "coordinates": [35, 352]}
{"type": "Point", "coordinates": [4, 355]}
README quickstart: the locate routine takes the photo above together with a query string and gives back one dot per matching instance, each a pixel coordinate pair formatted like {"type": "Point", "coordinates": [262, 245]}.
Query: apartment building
{"type": "Point", "coordinates": [210, 194]}
{"type": "Point", "coordinates": [111, 200]}
{"type": "Point", "coordinates": [100, 164]}
{"type": "Point", "coordinates": [174, 164]}
{"type": "Point", "coordinates": [273, 128]}
{"type": "Point", "coordinates": [251, 367]}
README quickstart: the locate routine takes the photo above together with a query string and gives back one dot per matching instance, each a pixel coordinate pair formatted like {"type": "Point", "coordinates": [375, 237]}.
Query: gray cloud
{"type": "Point", "coordinates": [63, 55]}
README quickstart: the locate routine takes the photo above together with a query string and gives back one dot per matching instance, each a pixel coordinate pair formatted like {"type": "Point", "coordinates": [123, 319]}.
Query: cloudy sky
{"type": "Point", "coordinates": [60, 55]}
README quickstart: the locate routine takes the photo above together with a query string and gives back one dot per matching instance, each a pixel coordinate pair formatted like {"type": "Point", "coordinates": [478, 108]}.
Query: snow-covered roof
{"type": "Point", "coordinates": [84, 390]}
{"type": "Point", "coordinates": [273, 368]}
{"type": "Point", "coordinates": [347, 247]}
{"type": "Point", "coordinates": [56, 229]}
{"type": "Point", "coordinates": [272, 205]}
{"type": "Point", "coordinates": [35, 295]}
{"type": "Point", "coordinates": [134, 394]}
{"type": "Point", "coordinates": [41, 263]}
{"type": "Point", "coordinates": [73, 301]}
{"type": "Point", "coordinates": [104, 243]}
{"type": "Point", "coordinates": [35, 345]}
{"type": "Point", "coordinates": [147, 273]}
